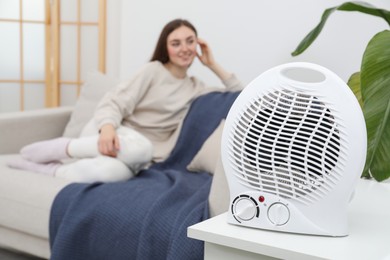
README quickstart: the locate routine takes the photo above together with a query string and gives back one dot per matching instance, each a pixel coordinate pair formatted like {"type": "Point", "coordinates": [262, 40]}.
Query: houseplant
{"type": "Point", "coordinates": [371, 86]}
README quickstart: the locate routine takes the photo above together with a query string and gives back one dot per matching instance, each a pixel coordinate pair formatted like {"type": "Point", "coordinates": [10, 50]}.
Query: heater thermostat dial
{"type": "Point", "coordinates": [278, 214]}
{"type": "Point", "coordinates": [245, 208]}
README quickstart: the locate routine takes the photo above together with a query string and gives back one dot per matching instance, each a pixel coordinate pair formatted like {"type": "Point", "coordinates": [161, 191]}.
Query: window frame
{"type": "Point", "coordinates": [52, 22]}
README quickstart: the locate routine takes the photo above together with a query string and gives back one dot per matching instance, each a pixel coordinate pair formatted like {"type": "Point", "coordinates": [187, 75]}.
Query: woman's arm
{"type": "Point", "coordinates": [117, 105]}
{"type": "Point", "coordinates": [207, 59]}
{"type": "Point", "coordinates": [121, 101]}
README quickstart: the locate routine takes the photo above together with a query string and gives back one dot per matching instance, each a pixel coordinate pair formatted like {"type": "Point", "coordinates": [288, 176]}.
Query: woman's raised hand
{"type": "Point", "coordinates": [206, 56]}
{"type": "Point", "coordinates": [207, 59]}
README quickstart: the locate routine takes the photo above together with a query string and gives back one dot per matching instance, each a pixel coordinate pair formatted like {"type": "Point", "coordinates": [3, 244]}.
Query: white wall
{"type": "Point", "coordinates": [247, 36]}
{"type": "Point", "coordinates": [113, 13]}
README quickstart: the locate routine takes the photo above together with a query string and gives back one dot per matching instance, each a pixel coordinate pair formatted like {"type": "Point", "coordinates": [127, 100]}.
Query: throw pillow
{"type": "Point", "coordinates": [206, 159]}
{"type": "Point", "coordinates": [219, 192]}
{"type": "Point", "coordinates": [96, 85]}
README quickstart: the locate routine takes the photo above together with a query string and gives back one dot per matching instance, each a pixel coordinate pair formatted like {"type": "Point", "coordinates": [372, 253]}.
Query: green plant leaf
{"type": "Point", "coordinates": [354, 85]}
{"type": "Point", "coordinates": [348, 6]}
{"type": "Point", "coordinates": [375, 88]}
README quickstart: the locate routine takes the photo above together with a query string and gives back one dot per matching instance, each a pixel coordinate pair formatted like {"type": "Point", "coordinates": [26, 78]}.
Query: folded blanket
{"type": "Point", "coordinates": [146, 217]}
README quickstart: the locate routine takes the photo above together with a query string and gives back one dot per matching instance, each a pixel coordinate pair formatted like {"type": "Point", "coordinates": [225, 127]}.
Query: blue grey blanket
{"type": "Point", "coordinates": [146, 217]}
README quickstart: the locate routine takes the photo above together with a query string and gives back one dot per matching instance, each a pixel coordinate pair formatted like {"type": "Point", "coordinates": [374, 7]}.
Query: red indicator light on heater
{"type": "Point", "coordinates": [261, 198]}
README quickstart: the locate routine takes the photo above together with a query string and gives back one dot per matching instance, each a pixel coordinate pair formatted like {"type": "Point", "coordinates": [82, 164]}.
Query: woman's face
{"type": "Point", "coordinates": [181, 45]}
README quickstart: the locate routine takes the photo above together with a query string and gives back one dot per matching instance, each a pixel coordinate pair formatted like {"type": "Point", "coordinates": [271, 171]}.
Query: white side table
{"type": "Point", "coordinates": [369, 234]}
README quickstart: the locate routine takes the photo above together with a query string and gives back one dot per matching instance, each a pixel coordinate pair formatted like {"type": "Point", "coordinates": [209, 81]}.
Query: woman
{"type": "Point", "coordinates": [136, 121]}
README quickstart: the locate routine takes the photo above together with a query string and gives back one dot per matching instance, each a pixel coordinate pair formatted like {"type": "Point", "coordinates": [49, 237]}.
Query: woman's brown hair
{"type": "Point", "coordinates": [161, 50]}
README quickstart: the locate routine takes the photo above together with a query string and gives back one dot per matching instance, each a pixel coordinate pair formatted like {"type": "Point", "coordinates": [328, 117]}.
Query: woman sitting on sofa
{"type": "Point", "coordinates": [134, 123]}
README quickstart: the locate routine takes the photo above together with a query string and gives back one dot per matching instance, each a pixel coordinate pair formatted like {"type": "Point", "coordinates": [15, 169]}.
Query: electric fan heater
{"type": "Point", "coordinates": [293, 148]}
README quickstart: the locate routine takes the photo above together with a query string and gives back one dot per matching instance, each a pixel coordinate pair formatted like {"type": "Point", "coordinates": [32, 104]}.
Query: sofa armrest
{"type": "Point", "coordinates": [18, 129]}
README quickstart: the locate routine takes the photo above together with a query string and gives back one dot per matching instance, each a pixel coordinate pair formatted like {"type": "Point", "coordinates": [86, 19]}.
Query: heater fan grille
{"type": "Point", "coordinates": [289, 144]}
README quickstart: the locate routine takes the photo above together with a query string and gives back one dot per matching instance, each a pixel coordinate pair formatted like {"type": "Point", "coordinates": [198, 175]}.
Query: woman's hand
{"type": "Point", "coordinates": [206, 56]}
{"type": "Point", "coordinates": [108, 143]}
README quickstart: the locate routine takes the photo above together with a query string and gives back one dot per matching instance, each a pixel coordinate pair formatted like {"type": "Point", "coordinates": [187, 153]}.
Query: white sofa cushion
{"type": "Point", "coordinates": [19, 241]}
{"type": "Point", "coordinates": [207, 157]}
{"type": "Point", "coordinates": [219, 192]}
{"type": "Point", "coordinates": [96, 85]}
{"type": "Point", "coordinates": [26, 199]}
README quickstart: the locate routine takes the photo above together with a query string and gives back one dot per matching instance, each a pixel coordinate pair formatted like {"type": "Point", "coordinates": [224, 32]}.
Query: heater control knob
{"type": "Point", "coordinates": [245, 209]}
{"type": "Point", "coordinates": [278, 214]}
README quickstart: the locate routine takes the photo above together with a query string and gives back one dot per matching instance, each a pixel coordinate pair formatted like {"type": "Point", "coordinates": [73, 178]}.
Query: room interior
{"type": "Point", "coordinates": [53, 49]}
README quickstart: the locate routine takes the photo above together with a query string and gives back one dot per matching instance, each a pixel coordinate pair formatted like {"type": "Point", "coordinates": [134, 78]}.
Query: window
{"type": "Point", "coordinates": [47, 49]}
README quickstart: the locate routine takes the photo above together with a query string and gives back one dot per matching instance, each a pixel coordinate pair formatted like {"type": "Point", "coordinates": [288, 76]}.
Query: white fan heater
{"type": "Point", "coordinates": [293, 148]}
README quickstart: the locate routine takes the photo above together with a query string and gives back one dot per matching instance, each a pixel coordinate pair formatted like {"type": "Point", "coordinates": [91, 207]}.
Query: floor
{"type": "Point", "coordinates": [10, 255]}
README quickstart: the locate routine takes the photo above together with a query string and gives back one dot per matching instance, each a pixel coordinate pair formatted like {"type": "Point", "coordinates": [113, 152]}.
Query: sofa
{"type": "Point", "coordinates": [25, 197]}
{"type": "Point", "coordinates": [34, 206]}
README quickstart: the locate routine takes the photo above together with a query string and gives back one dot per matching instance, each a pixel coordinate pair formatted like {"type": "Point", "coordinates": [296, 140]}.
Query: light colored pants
{"type": "Point", "coordinates": [135, 152]}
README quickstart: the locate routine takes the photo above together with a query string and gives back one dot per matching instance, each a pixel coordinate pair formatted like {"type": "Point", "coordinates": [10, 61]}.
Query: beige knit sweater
{"type": "Point", "coordinates": [154, 103]}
